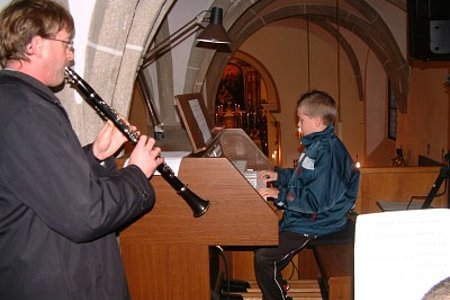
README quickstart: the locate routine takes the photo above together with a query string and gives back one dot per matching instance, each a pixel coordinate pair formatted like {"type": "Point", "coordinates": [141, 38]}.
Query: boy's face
{"type": "Point", "coordinates": [307, 124]}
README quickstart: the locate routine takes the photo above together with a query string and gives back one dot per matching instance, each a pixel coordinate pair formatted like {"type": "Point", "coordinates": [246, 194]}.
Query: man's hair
{"type": "Point", "coordinates": [318, 104]}
{"type": "Point", "coordinates": [22, 20]}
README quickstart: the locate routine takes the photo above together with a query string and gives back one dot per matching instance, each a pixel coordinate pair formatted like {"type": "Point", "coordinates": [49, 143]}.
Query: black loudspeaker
{"type": "Point", "coordinates": [429, 30]}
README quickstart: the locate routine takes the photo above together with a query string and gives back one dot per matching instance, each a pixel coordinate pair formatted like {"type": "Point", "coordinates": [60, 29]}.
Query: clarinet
{"type": "Point", "coordinates": [198, 205]}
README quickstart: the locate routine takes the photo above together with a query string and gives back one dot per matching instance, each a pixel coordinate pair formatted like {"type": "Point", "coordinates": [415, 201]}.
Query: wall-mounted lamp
{"type": "Point", "coordinates": [214, 35]}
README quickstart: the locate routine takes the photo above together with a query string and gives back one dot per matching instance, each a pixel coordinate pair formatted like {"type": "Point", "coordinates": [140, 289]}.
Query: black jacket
{"type": "Point", "coordinates": [59, 208]}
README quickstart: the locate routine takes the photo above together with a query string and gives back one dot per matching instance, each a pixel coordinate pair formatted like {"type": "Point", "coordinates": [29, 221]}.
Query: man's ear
{"type": "Point", "coordinates": [35, 46]}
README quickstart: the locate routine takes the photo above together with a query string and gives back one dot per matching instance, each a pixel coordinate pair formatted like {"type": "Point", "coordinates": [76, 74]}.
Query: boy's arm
{"type": "Point", "coordinates": [321, 188]}
{"type": "Point", "coordinates": [284, 175]}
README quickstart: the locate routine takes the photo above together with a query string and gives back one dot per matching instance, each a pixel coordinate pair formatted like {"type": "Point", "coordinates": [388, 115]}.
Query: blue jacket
{"type": "Point", "coordinates": [318, 194]}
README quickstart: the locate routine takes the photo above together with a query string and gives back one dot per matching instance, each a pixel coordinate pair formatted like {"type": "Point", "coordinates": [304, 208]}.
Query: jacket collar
{"type": "Point", "coordinates": [309, 139]}
{"type": "Point", "coordinates": [40, 88]}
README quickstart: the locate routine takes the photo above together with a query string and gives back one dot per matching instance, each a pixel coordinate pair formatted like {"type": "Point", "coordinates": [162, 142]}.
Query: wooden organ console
{"type": "Point", "coordinates": [166, 252]}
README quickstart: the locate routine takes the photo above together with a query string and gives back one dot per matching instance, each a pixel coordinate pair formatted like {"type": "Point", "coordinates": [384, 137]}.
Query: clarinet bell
{"type": "Point", "coordinates": [198, 205]}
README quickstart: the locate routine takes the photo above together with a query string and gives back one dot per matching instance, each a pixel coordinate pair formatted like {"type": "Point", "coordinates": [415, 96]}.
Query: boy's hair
{"type": "Point", "coordinates": [318, 104]}
{"type": "Point", "coordinates": [22, 20]}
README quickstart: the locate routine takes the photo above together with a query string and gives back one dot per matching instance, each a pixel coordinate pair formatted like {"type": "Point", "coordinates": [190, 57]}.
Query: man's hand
{"type": "Point", "coordinates": [108, 141]}
{"type": "Point", "coordinates": [145, 156]}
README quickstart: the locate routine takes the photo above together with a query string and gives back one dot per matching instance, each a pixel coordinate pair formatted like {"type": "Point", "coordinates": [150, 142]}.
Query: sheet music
{"type": "Point", "coordinates": [401, 255]}
{"type": "Point", "coordinates": [173, 160]}
{"type": "Point", "coordinates": [201, 120]}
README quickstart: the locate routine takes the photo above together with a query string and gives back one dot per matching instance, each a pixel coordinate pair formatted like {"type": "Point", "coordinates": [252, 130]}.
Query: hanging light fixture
{"type": "Point", "coordinates": [215, 32]}
{"type": "Point", "coordinates": [214, 35]}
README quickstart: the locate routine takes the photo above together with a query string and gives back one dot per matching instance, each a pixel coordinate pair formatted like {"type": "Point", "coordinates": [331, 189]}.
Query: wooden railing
{"type": "Point", "coordinates": [395, 184]}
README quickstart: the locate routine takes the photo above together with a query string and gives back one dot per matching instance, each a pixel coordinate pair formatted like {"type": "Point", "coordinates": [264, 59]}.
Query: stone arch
{"type": "Point", "coordinates": [364, 22]}
{"type": "Point", "coordinates": [120, 31]}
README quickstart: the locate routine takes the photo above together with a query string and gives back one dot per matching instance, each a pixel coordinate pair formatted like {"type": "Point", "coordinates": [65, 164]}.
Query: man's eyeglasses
{"type": "Point", "coordinates": [68, 43]}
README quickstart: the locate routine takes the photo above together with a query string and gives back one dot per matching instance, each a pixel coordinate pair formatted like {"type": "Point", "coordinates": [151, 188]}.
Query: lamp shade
{"type": "Point", "coordinates": [214, 33]}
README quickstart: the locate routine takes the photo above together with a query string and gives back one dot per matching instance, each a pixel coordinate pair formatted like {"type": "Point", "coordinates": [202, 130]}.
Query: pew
{"type": "Point", "coordinates": [395, 184]}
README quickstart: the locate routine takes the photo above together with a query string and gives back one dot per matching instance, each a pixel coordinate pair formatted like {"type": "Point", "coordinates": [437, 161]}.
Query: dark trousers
{"type": "Point", "coordinates": [271, 260]}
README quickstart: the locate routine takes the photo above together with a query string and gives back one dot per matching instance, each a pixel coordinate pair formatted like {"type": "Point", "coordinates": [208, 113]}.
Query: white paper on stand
{"type": "Point", "coordinates": [173, 160]}
{"type": "Point", "coordinates": [401, 255]}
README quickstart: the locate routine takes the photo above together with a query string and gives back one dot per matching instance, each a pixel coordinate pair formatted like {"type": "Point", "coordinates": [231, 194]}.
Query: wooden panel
{"type": "Point", "coordinates": [334, 260]}
{"type": "Point", "coordinates": [340, 288]}
{"type": "Point", "coordinates": [242, 265]}
{"type": "Point", "coordinates": [395, 184]}
{"type": "Point", "coordinates": [166, 271]}
{"type": "Point", "coordinates": [307, 266]}
{"type": "Point", "coordinates": [235, 217]}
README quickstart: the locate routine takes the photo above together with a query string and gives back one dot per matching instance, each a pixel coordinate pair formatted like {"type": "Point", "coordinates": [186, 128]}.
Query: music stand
{"type": "Point", "coordinates": [192, 110]}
